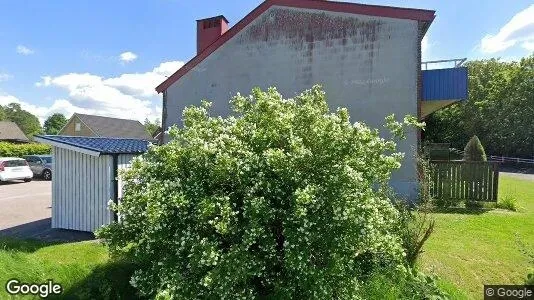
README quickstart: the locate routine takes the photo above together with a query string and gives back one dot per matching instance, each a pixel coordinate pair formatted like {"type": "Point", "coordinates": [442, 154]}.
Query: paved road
{"type": "Point", "coordinates": [25, 210]}
{"type": "Point", "coordinates": [22, 202]}
{"type": "Point", "coordinates": [520, 175]}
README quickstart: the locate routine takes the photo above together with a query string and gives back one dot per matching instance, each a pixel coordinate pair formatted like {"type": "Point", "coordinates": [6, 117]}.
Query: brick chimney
{"type": "Point", "coordinates": [209, 30]}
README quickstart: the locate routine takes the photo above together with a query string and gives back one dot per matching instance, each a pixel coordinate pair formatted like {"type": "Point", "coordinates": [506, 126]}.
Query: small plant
{"type": "Point", "coordinates": [416, 224]}
{"type": "Point", "coordinates": [409, 284]}
{"type": "Point", "coordinates": [508, 202]}
{"type": "Point", "coordinates": [474, 151]}
{"type": "Point", "coordinates": [414, 227]}
{"type": "Point", "coordinates": [471, 204]}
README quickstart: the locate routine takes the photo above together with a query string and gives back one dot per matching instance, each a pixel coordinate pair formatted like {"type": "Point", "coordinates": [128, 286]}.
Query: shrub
{"type": "Point", "coordinates": [414, 227]}
{"type": "Point", "coordinates": [410, 284]}
{"type": "Point", "coordinates": [472, 204]}
{"type": "Point", "coordinates": [507, 202]}
{"type": "Point", "coordinates": [283, 200]}
{"type": "Point", "coordinates": [17, 150]}
{"type": "Point", "coordinates": [474, 151]}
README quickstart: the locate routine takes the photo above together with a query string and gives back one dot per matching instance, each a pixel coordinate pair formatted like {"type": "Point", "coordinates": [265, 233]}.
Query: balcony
{"type": "Point", "coordinates": [443, 87]}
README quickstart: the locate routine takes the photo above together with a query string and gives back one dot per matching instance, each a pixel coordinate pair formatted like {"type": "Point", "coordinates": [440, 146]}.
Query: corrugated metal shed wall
{"type": "Point", "coordinates": [445, 84]}
{"type": "Point", "coordinates": [81, 189]}
{"type": "Point", "coordinates": [124, 162]}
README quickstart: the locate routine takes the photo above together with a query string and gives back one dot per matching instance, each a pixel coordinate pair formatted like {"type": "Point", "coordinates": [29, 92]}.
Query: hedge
{"type": "Point", "coordinates": [17, 150]}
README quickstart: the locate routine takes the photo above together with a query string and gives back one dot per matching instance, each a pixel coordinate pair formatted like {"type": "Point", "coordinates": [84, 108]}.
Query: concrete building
{"type": "Point", "coordinates": [367, 58]}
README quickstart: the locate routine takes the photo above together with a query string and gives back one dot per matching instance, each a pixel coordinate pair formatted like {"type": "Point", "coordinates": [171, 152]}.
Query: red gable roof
{"type": "Point", "coordinates": [421, 15]}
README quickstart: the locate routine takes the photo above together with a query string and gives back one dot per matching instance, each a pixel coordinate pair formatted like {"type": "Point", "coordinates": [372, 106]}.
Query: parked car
{"type": "Point", "coordinates": [41, 165]}
{"type": "Point", "coordinates": [14, 168]}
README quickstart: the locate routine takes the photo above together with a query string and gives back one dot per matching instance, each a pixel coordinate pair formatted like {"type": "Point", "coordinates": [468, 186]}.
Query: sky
{"type": "Point", "coordinates": [107, 57]}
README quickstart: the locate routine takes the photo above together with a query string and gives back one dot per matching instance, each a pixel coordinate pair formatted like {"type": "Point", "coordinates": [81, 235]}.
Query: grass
{"type": "Point", "coordinates": [471, 248]}
{"type": "Point", "coordinates": [83, 269]}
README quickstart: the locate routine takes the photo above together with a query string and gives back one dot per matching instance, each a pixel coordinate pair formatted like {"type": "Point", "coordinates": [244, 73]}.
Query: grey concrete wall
{"type": "Point", "coordinates": [367, 64]}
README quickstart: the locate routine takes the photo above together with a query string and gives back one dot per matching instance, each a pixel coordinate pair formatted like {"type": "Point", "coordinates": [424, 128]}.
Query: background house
{"type": "Point", "coordinates": [10, 132]}
{"type": "Point", "coordinates": [97, 126]}
{"type": "Point", "coordinates": [367, 58]}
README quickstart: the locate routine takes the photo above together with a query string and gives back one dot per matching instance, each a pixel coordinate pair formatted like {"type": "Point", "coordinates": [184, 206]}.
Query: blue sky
{"type": "Point", "coordinates": [106, 57]}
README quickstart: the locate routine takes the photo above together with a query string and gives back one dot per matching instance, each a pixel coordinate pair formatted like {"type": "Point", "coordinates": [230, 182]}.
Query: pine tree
{"type": "Point", "coordinates": [474, 151]}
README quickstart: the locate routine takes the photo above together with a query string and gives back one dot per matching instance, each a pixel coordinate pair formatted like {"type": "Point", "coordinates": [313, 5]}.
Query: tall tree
{"type": "Point", "coordinates": [499, 109]}
{"type": "Point", "coordinates": [3, 115]}
{"type": "Point", "coordinates": [54, 123]}
{"type": "Point", "coordinates": [151, 127]}
{"type": "Point", "coordinates": [28, 123]}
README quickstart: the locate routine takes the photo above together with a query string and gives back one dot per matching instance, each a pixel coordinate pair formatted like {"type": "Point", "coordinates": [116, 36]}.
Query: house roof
{"type": "Point", "coordinates": [424, 16]}
{"type": "Point", "coordinates": [9, 131]}
{"type": "Point", "coordinates": [96, 146]}
{"type": "Point", "coordinates": [114, 127]}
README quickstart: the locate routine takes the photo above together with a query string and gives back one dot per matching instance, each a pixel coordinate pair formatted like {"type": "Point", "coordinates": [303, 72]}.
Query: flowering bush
{"type": "Point", "coordinates": [284, 200]}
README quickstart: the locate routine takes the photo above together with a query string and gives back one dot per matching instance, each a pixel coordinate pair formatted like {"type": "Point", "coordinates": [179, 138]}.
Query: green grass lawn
{"type": "Point", "coordinates": [470, 249]}
{"type": "Point", "coordinates": [466, 250]}
{"type": "Point", "coordinates": [83, 269]}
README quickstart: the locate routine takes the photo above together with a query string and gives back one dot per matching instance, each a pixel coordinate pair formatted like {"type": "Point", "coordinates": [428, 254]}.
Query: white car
{"type": "Point", "coordinates": [14, 168]}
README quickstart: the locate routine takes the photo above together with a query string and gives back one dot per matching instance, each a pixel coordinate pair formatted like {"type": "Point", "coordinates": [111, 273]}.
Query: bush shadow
{"type": "Point", "coordinates": [109, 281]}
{"type": "Point", "coordinates": [462, 210]}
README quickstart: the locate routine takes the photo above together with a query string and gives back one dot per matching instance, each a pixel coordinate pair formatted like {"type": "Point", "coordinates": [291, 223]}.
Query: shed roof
{"type": "Point", "coordinates": [425, 17]}
{"type": "Point", "coordinates": [96, 146]}
{"type": "Point", "coordinates": [9, 131]}
{"type": "Point", "coordinates": [114, 127]}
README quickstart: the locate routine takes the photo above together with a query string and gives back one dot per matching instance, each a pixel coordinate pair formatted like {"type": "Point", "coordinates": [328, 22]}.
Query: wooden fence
{"type": "Point", "coordinates": [464, 180]}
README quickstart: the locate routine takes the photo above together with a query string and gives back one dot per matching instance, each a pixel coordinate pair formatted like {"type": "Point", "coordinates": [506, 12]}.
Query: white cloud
{"type": "Point", "coordinates": [21, 49]}
{"type": "Point", "coordinates": [130, 95]}
{"type": "Point", "coordinates": [425, 46]}
{"type": "Point", "coordinates": [143, 84]}
{"type": "Point", "coordinates": [5, 77]}
{"type": "Point", "coordinates": [520, 29]}
{"type": "Point", "coordinates": [528, 45]}
{"type": "Point", "coordinates": [42, 112]}
{"type": "Point", "coordinates": [127, 57]}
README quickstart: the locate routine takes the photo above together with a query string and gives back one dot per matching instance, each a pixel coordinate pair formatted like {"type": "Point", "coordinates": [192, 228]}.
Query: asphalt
{"type": "Point", "coordinates": [524, 176]}
{"type": "Point", "coordinates": [25, 210]}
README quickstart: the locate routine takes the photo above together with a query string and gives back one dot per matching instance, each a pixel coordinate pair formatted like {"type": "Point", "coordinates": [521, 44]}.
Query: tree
{"type": "Point", "coordinates": [474, 151]}
{"type": "Point", "coordinates": [282, 200]}
{"type": "Point", "coordinates": [3, 115]}
{"type": "Point", "coordinates": [151, 127]}
{"type": "Point", "coordinates": [499, 109]}
{"type": "Point", "coordinates": [28, 123]}
{"type": "Point", "coordinates": [54, 123]}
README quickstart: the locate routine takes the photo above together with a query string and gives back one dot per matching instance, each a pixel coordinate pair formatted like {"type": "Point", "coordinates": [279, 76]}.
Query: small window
{"type": "Point", "coordinates": [32, 159]}
{"type": "Point", "coordinates": [15, 163]}
{"type": "Point", "coordinates": [77, 127]}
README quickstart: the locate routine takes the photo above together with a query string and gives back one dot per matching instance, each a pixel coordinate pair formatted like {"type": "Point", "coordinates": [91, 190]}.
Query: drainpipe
{"type": "Point", "coordinates": [115, 184]}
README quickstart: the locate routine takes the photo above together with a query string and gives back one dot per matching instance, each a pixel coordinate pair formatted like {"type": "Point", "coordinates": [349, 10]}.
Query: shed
{"type": "Point", "coordinates": [86, 178]}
